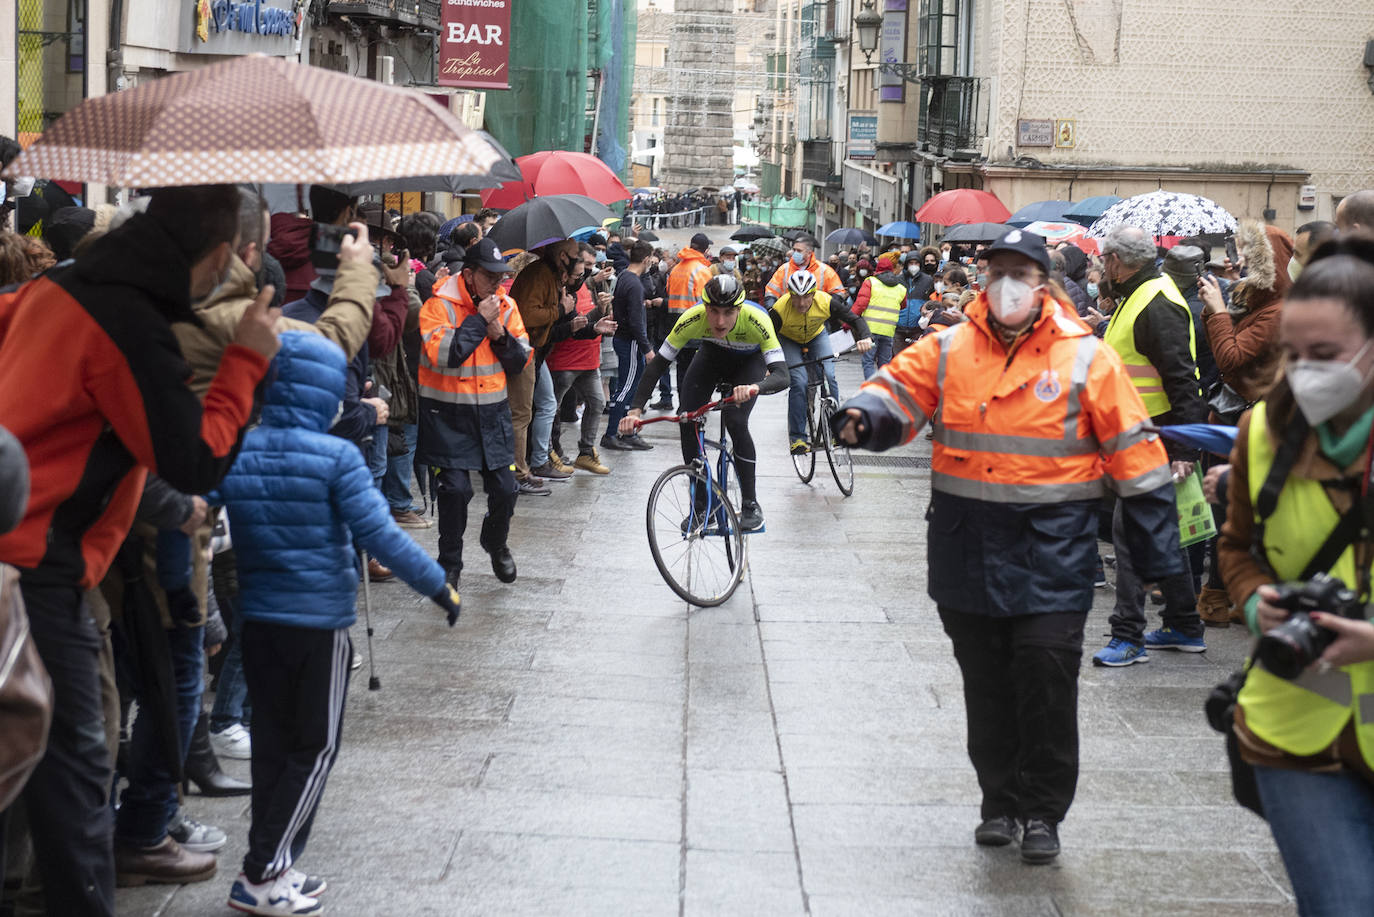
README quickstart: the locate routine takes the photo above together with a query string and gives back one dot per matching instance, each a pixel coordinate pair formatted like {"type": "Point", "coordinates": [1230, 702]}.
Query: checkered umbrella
{"type": "Point", "coordinates": [255, 119]}
{"type": "Point", "coordinates": [1165, 213]}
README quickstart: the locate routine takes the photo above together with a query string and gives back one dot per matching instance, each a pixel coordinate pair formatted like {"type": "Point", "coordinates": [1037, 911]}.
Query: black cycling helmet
{"type": "Point", "coordinates": [724, 292]}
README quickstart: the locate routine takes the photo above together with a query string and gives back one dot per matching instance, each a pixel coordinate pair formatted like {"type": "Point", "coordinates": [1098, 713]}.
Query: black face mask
{"type": "Point", "coordinates": [572, 286]}
{"type": "Point", "coordinates": [927, 268]}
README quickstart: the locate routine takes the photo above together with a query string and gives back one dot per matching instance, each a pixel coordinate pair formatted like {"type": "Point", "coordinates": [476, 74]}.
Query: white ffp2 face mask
{"type": "Point", "coordinates": [1324, 388]}
{"type": "Point", "coordinates": [1011, 301]}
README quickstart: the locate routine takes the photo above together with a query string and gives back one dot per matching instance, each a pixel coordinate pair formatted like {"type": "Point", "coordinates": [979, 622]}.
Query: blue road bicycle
{"type": "Point", "coordinates": [694, 531]}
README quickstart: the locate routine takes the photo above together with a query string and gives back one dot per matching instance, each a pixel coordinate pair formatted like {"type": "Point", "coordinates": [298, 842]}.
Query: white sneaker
{"type": "Point", "coordinates": [273, 898]}
{"type": "Point", "coordinates": [233, 742]}
{"type": "Point", "coordinates": [310, 886]}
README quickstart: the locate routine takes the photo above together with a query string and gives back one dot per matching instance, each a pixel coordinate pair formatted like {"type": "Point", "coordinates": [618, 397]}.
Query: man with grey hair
{"type": "Point", "coordinates": [1152, 329]}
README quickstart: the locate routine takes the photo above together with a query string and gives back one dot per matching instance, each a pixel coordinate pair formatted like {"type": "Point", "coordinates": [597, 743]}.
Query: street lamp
{"type": "Point", "coordinates": [868, 23]}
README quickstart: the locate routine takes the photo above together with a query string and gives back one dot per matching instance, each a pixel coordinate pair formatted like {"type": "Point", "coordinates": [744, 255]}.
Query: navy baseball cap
{"type": "Point", "coordinates": [485, 253]}
{"type": "Point", "coordinates": [1025, 244]}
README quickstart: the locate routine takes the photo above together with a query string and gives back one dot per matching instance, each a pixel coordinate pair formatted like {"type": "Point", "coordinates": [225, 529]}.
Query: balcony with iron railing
{"type": "Point", "coordinates": [953, 116]}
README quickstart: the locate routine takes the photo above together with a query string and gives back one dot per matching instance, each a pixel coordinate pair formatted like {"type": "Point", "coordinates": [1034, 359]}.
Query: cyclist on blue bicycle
{"type": "Point", "coordinates": [799, 318]}
{"type": "Point", "coordinates": [739, 347]}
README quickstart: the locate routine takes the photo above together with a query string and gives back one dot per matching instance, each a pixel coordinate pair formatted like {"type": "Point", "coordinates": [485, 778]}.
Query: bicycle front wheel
{"type": "Point", "coordinates": [836, 452]}
{"type": "Point", "coordinates": [695, 537]}
{"type": "Point", "coordinates": [805, 462]}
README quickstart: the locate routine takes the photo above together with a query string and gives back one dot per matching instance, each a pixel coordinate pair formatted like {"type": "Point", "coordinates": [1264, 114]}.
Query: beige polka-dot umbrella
{"type": "Point", "coordinates": [255, 119]}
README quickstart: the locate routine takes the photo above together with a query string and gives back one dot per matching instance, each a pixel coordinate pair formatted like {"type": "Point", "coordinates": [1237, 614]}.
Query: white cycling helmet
{"type": "Point", "coordinates": [801, 282]}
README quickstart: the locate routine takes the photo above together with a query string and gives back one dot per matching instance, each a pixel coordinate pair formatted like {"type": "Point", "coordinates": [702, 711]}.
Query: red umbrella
{"type": "Point", "coordinates": [963, 205]}
{"type": "Point", "coordinates": [557, 172]}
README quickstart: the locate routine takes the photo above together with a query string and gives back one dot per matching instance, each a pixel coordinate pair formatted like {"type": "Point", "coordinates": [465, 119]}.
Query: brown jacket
{"type": "Point", "coordinates": [346, 322]}
{"type": "Point", "coordinates": [1246, 348]}
{"type": "Point", "coordinates": [539, 296]}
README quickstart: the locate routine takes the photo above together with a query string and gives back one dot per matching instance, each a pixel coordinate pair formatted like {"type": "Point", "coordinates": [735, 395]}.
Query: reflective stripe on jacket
{"type": "Point", "coordinates": [1121, 336]}
{"type": "Point", "coordinates": [826, 278]}
{"type": "Point", "coordinates": [884, 304]}
{"type": "Point", "coordinates": [687, 279]}
{"type": "Point", "coordinates": [1305, 715]}
{"type": "Point", "coordinates": [1058, 419]}
{"type": "Point", "coordinates": [480, 379]}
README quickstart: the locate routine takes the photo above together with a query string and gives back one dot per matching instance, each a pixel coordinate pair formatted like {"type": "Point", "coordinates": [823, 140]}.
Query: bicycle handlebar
{"type": "Point", "coordinates": [816, 362]}
{"type": "Point", "coordinates": [690, 416]}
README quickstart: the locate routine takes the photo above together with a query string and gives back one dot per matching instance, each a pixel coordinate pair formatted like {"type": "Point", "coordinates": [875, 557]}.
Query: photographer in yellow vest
{"type": "Point", "coordinates": [1299, 508]}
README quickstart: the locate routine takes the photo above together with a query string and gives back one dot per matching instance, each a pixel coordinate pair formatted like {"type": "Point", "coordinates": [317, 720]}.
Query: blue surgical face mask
{"type": "Point", "coordinates": [799, 258]}
{"type": "Point", "coordinates": [727, 267]}
{"type": "Point", "coordinates": [1092, 290]}
{"type": "Point", "coordinates": [600, 257]}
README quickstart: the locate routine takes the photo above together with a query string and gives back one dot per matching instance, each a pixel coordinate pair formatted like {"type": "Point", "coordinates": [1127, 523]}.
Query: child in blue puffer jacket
{"type": "Point", "coordinates": [299, 500]}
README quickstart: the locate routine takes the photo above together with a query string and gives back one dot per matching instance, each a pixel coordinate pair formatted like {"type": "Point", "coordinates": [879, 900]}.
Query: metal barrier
{"type": "Point", "coordinates": [679, 220]}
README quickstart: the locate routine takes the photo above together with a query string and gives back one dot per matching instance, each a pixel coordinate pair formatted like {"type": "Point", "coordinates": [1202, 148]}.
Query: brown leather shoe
{"type": "Point", "coordinates": [1213, 607]}
{"type": "Point", "coordinates": [168, 863]}
{"type": "Point", "coordinates": [409, 519]}
{"type": "Point", "coordinates": [376, 572]}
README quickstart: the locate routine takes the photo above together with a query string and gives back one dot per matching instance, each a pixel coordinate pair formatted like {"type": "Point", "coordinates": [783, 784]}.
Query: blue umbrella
{"type": "Point", "coordinates": [1209, 437]}
{"type": "Point", "coordinates": [1049, 211]}
{"type": "Point", "coordinates": [902, 229]}
{"type": "Point", "coordinates": [851, 237]}
{"type": "Point", "coordinates": [1089, 209]}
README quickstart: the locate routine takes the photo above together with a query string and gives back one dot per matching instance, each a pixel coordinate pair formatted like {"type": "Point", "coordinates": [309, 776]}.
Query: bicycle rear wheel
{"type": "Point", "coordinates": [836, 452]}
{"type": "Point", "coordinates": [805, 463]}
{"type": "Point", "coordinates": [695, 537]}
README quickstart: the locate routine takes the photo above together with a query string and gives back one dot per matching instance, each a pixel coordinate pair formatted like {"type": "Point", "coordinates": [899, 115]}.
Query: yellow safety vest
{"type": "Point", "coordinates": [1121, 335]}
{"type": "Point", "coordinates": [884, 304]}
{"type": "Point", "coordinates": [803, 327]}
{"type": "Point", "coordinates": [1305, 715]}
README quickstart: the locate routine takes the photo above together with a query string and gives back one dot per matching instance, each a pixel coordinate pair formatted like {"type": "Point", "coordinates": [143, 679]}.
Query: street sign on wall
{"type": "Point", "coordinates": [1035, 132]}
{"type": "Point", "coordinates": [474, 44]}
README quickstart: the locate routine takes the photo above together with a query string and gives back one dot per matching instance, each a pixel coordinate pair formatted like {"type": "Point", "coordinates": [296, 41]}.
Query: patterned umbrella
{"type": "Point", "coordinates": [770, 246]}
{"type": "Point", "coordinates": [1054, 233]}
{"type": "Point", "coordinates": [1165, 213]}
{"type": "Point", "coordinates": [255, 119]}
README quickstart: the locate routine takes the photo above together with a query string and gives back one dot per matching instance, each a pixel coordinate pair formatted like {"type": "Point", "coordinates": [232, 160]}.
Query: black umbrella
{"type": "Point", "coordinates": [646, 236]}
{"type": "Point", "coordinates": [751, 233]}
{"type": "Point", "coordinates": [976, 232]}
{"type": "Point", "coordinates": [793, 235]}
{"type": "Point", "coordinates": [548, 219]}
{"type": "Point", "coordinates": [851, 237]}
{"type": "Point", "coordinates": [150, 654]}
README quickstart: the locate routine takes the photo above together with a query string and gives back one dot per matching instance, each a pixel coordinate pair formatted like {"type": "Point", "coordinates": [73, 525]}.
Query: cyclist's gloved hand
{"type": "Point", "coordinates": [449, 600]}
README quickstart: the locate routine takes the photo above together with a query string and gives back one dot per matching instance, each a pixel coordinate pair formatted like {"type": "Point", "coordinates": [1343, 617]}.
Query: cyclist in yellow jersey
{"type": "Point", "coordinates": [737, 346]}
{"type": "Point", "coordinates": [799, 319]}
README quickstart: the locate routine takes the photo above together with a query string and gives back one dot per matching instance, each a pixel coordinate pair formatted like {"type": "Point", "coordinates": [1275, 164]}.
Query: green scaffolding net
{"type": "Point", "coordinates": [568, 61]}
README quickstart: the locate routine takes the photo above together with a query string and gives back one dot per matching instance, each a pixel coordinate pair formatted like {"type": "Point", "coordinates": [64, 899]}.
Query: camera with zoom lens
{"type": "Point", "coordinates": [1298, 642]}
{"type": "Point", "coordinates": [326, 241]}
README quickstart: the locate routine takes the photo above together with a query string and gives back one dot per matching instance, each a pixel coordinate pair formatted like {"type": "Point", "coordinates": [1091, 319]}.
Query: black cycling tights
{"type": "Point", "coordinates": [710, 367]}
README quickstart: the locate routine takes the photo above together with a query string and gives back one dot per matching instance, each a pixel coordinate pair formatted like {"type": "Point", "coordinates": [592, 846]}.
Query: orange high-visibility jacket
{"type": "Point", "coordinates": [826, 278]}
{"type": "Point", "coordinates": [465, 419]}
{"type": "Point", "coordinates": [687, 279]}
{"type": "Point", "coordinates": [1057, 420]}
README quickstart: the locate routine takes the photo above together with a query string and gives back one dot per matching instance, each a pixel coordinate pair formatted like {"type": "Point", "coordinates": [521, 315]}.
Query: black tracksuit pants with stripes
{"type": "Point", "coordinates": [297, 680]}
